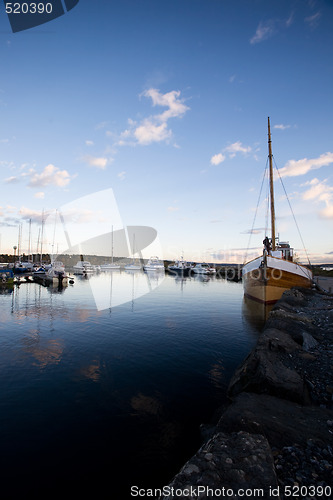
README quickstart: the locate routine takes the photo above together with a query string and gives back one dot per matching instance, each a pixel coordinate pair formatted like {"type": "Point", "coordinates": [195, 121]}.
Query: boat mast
{"type": "Point", "coordinates": [112, 247]}
{"type": "Point", "coordinates": [271, 181]}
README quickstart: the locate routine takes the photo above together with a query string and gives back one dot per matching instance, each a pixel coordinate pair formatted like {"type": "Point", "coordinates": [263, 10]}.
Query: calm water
{"type": "Point", "coordinates": [88, 397]}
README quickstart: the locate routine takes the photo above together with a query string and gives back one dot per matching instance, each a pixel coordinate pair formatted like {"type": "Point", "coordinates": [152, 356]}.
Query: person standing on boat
{"type": "Point", "coordinates": [267, 244]}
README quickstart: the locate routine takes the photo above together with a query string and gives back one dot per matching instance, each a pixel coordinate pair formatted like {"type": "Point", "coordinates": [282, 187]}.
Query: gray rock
{"type": "Point", "coordinates": [237, 461]}
{"type": "Point", "coordinates": [263, 371]}
{"type": "Point", "coordinates": [308, 341]}
{"type": "Point", "coordinates": [283, 422]}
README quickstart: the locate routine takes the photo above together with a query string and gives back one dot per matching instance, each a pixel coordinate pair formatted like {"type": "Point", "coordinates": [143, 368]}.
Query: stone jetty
{"type": "Point", "coordinates": [275, 437]}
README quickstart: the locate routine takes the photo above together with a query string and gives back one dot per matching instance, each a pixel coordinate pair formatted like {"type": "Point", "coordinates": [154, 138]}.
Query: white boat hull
{"type": "Point", "coordinates": [109, 267]}
{"type": "Point", "coordinates": [133, 267]}
{"type": "Point", "coordinates": [266, 278]}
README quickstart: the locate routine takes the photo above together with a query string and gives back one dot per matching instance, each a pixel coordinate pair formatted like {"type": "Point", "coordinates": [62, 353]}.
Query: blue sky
{"type": "Point", "coordinates": [166, 103]}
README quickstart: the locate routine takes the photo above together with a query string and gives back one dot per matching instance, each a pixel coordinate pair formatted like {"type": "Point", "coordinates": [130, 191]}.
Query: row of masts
{"type": "Point", "coordinates": [39, 242]}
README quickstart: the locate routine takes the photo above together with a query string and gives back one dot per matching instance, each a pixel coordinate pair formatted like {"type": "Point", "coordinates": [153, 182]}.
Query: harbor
{"type": "Point", "coordinates": [87, 392]}
{"type": "Point", "coordinates": [125, 378]}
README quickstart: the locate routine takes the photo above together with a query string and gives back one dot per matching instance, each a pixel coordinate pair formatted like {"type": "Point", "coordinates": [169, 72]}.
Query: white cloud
{"type": "Point", "coordinates": [237, 147]}
{"type": "Point", "coordinates": [50, 175]}
{"type": "Point", "coordinates": [301, 167]}
{"type": "Point", "coordinates": [98, 162]}
{"type": "Point", "coordinates": [122, 175]}
{"type": "Point", "coordinates": [217, 159]}
{"type": "Point", "coordinates": [155, 127]}
{"type": "Point", "coordinates": [254, 231]}
{"type": "Point", "coordinates": [290, 20]}
{"type": "Point", "coordinates": [327, 213]}
{"type": "Point", "coordinates": [320, 191]}
{"type": "Point", "coordinates": [281, 126]}
{"type": "Point", "coordinates": [34, 215]}
{"type": "Point", "coordinates": [7, 165]}
{"type": "Point", "coordinates": [176, 106]}
{"type": "Point", "coordinates": [101, 125]}
{"type": "Point", "coordinates": [313, 21]}
{"type": "Point", "coordinates": [150, 132]}
{"type": "Point", "coordinates": [12, 180]}
{"type": "Point", "coordinates": [89, 143]}
{"type": "Point", "coordinates": [232, 150]}
{"type": "Point", "coordinates": [173, 209]}
{"type": "Point", "coordinates": [40, 195]}
{"type": "Point", "coordinates": [263, 32]}
{"type": "Point", "coordinates": [269, 28]}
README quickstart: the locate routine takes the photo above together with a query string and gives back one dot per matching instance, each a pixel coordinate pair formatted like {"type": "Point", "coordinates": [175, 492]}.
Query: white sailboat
{"type": "Point", "coordinates": [112, 265]}
{"type": "Point", "coordinates": [133, 266]}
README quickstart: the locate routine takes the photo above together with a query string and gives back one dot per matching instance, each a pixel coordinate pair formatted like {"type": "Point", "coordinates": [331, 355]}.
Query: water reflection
{"type": "Point", "coordinates": [114, 288]}
{"type": "Point", "coordinates": [133, 386]}
{"type": "Point", "coordinates": [217, 375]}
{"type": "Point", "coordinates": [6, 289]}
{"type": "Point", "coordinates": [44, 352]}
{"type": "Point", "coordinates": [255, 313]}
{"type": "Point", "coordinates": [202, 278]}
{"type": "Point", "coordinates": [146, 405]}
{"type": "Point", "coordinates": [93, 371]}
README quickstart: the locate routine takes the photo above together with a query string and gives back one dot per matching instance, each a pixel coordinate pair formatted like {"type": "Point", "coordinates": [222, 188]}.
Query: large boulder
{"type": "Point", "coordinates": [264, 372]}
{"type": "Point", "coordinates": [282, 422]}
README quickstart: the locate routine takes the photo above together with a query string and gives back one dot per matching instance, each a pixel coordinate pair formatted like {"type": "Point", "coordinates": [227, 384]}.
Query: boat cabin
{"type": "Point", "coordinates": [282, 251]}
{"type": "Point", "coordinates": [286, 250]}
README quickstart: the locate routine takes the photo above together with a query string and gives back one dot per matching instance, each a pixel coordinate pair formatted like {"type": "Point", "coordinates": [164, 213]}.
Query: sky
{"type": "Point", "coordinates": [165, 104]}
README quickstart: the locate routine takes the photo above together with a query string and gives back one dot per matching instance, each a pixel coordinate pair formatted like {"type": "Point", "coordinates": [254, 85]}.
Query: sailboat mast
{"type": "Point", "coordinates": [270, 156]}
{"type": "Point", "coordinates": [112, 247]}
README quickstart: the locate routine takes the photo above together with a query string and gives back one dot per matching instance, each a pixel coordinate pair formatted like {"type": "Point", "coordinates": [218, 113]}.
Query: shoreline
{"type": "Point", "coordinates": [274, 438]}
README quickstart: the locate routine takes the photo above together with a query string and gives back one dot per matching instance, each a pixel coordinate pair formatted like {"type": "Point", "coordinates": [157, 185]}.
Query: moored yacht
{"type": "Point", "coordinates": [83, 267]}
{"type": "Point", "coordinates": [203, 268]}
{"type": "Point", "coordinates": [154, 264]}
{"type": "Point", "coordinates": [180, 267]}
{"type": "Point", "coordinates": [56, 273]}
{"type": "Point", "coordinates": [22, 267]}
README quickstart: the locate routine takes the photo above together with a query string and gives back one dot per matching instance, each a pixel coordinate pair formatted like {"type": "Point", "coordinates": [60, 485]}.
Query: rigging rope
{"type": "Point", "coordinates": [292, 212]}
{"type": "Point", "coordinates": [255, 215]}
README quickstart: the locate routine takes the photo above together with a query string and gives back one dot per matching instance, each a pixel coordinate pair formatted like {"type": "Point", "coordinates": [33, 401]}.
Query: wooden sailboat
{"type": "Point", "coordinates": [266, 277]}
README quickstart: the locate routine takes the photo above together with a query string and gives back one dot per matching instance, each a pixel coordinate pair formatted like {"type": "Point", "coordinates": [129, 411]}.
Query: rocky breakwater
{"type": "Point", "coordinates": [275, 438]}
